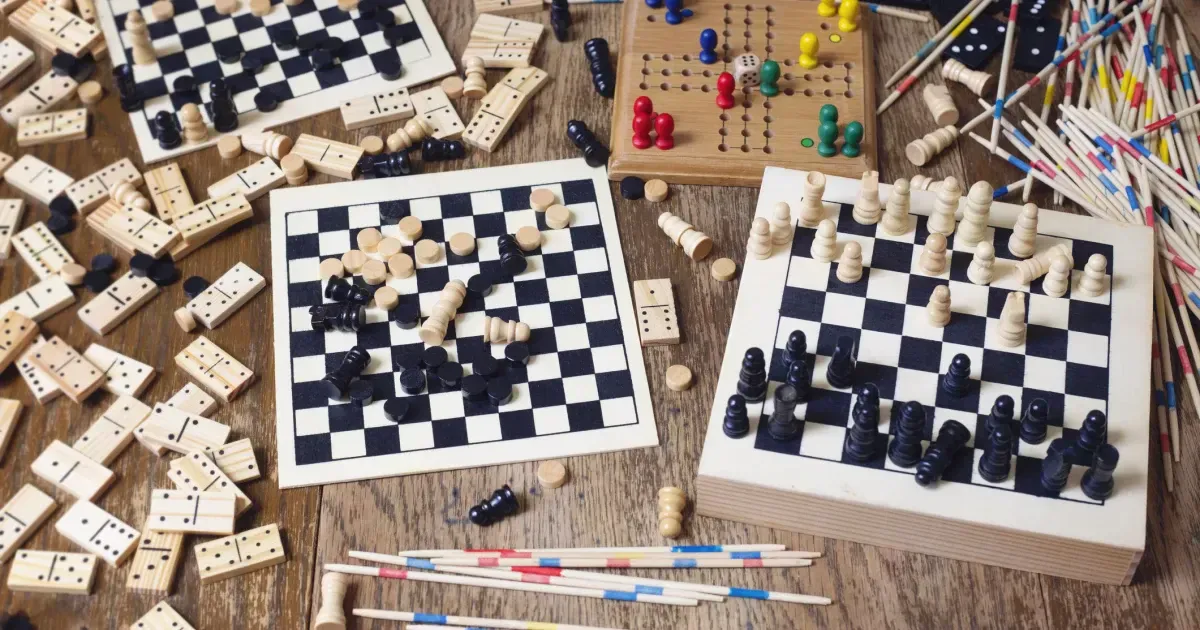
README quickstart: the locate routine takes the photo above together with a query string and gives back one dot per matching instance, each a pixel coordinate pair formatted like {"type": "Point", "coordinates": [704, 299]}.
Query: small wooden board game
{"type": "Point", "coordinates": [731, 147]}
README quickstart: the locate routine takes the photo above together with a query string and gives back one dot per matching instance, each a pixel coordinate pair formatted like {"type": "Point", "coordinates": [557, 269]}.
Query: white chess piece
{"type": "Point", "coordinates": [759, 244]}
{"type": "Point", "coordinates": [980, 269]}
{"type": "Point", "coordinates": [812, 209]}
{"type": "Point", "coordinates": [1021, 243]}
{"type": "Point", "coordinates": [933, 255]}
{"type": "Point", "coordinates": [138, 33]}
{"type": "Point", "coordinates": [868, 208]}
{"type": "Point", "coordinates": [1091, 283]}
{"type": "Point", "coordinates": [944, 207]}
{"type": "Point", "coordinates": [1058, 278]}
{"type": "Point", "coordinates": [1031, 269]}
{"type": "Point", "coordinates": [938, 309]}
{"type": "Point", "coordinates": [850, 265]}
{"type": "Point", "coordinates": [975, 214]}
{"type": "Point", "coordinates": [1011, 331]}
{"type": "Point", "coordinates": [824, 245]}
{"type": "Point", "coordinates": [895, 216]}
{"type": "Point", "coordinates": [781, 224]}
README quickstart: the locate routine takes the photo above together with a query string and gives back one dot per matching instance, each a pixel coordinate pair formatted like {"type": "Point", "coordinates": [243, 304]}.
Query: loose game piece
{"type": "Point", "coordinates": [326, 156]}
{"type": "Point", "coordinates": [75, 375]}
{"type": "Point", "coordinates": [759, 244]}
{"type": "Point", "coordinates": [97, 532]}
{"type": "Point", "coordinates": [141, 231]}
{"type": "Point", "coordinates": [6, 161]}
{"type": "Point", "coordinates": [501, 106]}
{"type": "Point", "coordinates": [10, 411]}
{"type": "Point", "coordinates": [503, 503]}
{"type": "Point", "coordinates": [179, 431]}
{"type": "Point", "coordinates": [44, 95]}
{"type": "Point", "coordinates": [437, 114]}
{"type": "Point", "coordinates": [38, 129]}
{"type": "Point", "coordinates": [40, 385]}
{"type": "Point", "coordinates": [671, 503]}
{"type": "Point", "coordinates": [207, 220]}
{"type": "Point", "coordinates": [377, 109]}
{"type": "Point", "coordinates": [197, 473]}
{"type": "Point", "coordinates": [54, 28]}
{"type": "Point", "coordinates": [655, 305]}
{"type": "Point", "coordinates": [112, 431]}
{"type": "Point", "coordinates": [69, 471]}
{"type": "Point", "coordinates": [90, 92]}
{"type": "Point", "coordinates": [502, 42]}
{"type": "Point", "coordinates": [695, 244]}
{"type": "Point", "coordinates": [37, 179]}
{"type": "Point", "coordinates": [229, 147]}
{"type": "Point", "coordinates": [724, 269]}
{"type": "Point", "coordinates": [154, 562]}
{"type": "Point", "coordinates": [189, 512]}
{"type": "Point", "coordinates": [52, 572]}
{"type": "Point", "coordinates": [978, 82]}
{"type": "Point", "coordinates": [507, 7]}
{"type": "Point", "coordinates": [11, 211]}
{"type": "Point", "coordinates": [123, 376]}
{"type": "Point", "coordinates": [44, 254]}
{"type": "Point", "coordinates": [214, 369]}
{"type": "Point", "coordinates": [267, 143]}
{"type": "Point", "coordinates": [21, 517]}
{"type": "Point", "coordinates": [40, 301]}
{"type": "Point", "coordinates": [123, 298]}
{"type": "Point", "coordinates": [169, 192]}
{"type": "Point", "coordinates": [239, 554]}
{"type": "Point", "coordinates": [940, 104]}
{"type": "Point", "coordinates": [93, 190]}
{"type": "Point", "coordinates": [15, 57]}
{"type": "Point", "coordinates": [191, 399]}
{"type": "Point", "coordinates": [236, 459]}
{"type": "Point", "coordinates": [162, 616]}
{"type": "Point", "coordinates": [551, 474]}
{"type": "Point", "coordinates": [17, 332]}
{"type": "Point", "coordinates": [225, 296]}
{"type": "Point", "coordinates": [252, 182]}
{"type": "Point", "coordinates": [679, 378]}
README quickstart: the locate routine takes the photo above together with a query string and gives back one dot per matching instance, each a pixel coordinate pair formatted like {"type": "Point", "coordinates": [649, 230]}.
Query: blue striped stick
{"type": "Point", "coordinates": [445, 622]}
{"type": "Point", "coordinates": [712, 589]}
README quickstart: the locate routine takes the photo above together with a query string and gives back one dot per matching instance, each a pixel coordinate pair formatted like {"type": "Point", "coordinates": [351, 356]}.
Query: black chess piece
{"type": "Point", "coordinates": [337, 382]}
{"type": "Point", "coordinates": [126, 86]}
{"type": "Point", "coordinates": [797, 376]}
{"type": "Point", "coordinates": [752, 380]}
{"type": "Point", "coordinates": [322, 60]}
{"type": "Point", "coordinates": [220, 107]}
{"type": "Point", "coordinates": [594, 151]}
{"type": "Point", "coordinates": [795, 348]}
{"type": "Point", "coordinates": [502, 503]}
{"type": "Point", "coordinates": [390, 68]}
{"type": "Point", "coordinates": [560, 19]}
{"type": "Point", "coordinates": [1056, 466]}
{"type": "Point", "coordinates": [512, 259]}
{"type": "Point", "coordinates": [952, 436]}
{"type": "Point", "coordinates": [1002, 412]}
{"type": "Point", "coordinates": [266, 101]}
{"type": "Point", "coordinates": [450, 374]}
{"type": "Point", "coordinates": [782, 424]}
{"type": "Point", "coordinates": [517, 354]}
{"type": "Point", "coordinates": [996, 462]}
{"type": "Point", "coordinates": [1097, 482]}
{"type": "Point", "coordinates": [1093, 433]}
{"type": "Point", "coordinates": [78, 68]}
{"type": "Point", "coordinates": [499, 391]}
{"type": "Point", "coordinates": [864, 429]}
{"type": "Point", "coordinates": [340, 290]}
{"type": "Point", "coordinates": [737, 422]}
{"type": "Point", "coordinates": [905, 449]}
{"type": "Point", "coordinates": [412, 381]}
{"type": "Point", "coordinates": [166, 131]}
{"type": "Point", "coordinates": [395, 164]}
{"type": "Point", "coordinates": [840, 373]}
{"type": "Point", "coordinates": [1033, 424]}
{"type": "Point", "coordinates": [474, 388]}
{"type": "Point", "coordinates": [600, 64]}
{"type": "Point", "coordinates": [957, 381]}
{"type": "Point", "coordinates": [343, 316]}
{"type": "Point", "coordinates": [435, 150]}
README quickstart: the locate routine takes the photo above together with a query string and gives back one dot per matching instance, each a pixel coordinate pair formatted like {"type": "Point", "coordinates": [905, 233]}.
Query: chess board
{"type": "Point", "coordinates": [731, 147]}
{"type": "Point", "coordinates": [1081, 353]}
{"type": "Point", "coordinates": [185, 47]}
{"type": "Point", "coordinates": [584, 389]}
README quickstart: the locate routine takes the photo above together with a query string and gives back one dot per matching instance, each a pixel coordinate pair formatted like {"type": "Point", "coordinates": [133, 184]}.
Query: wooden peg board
{"type": "Point", "coordinates": [68, 470]}
{"type": "Point", "coordinates": [240, 554]}
{"type": "Point", "coordinates": [154, 562]}
{"type": "Point", "coordinates": [169, 192]}
{"type": "Point", "coordinates": [196, 472]}
{"type": "Point", "coordinates": [41, 300]}
{"type": "Point", "coordinates": [38, 129]}
{"type": "Point", "coordinates": [181, 432]}
{"type": "Point", "coordinates": [718, 147]}
{"type": "Point", "coordinates": [17, 332]}
{"type": "Point", "coordinates": [98, 532]}
{"type": "Point", "coordinates": [236, 459]}
{"type": "Point", "coordinates": [91, 191]}
{"type": "Point", "coordinates": [162, 617]}
{"type": "Point", "coordinates": [225, 296]}
{"type": "Point", "coordinates": [123, 375]}
{"type": "Point", "coordinates": [216, 370]}
{"type": "Point", "coordinates": [21, 517]}
{"type": "Point", "coordinates": [191, 512]}
{"type": "Point", "coordinates": [112, 431]}
{"type": "Point", "coordinates": [75, 375]}
{"type": "Point", "coordinates": [52, 572]}
{"type": "Point", "coordinates": [10, 412]}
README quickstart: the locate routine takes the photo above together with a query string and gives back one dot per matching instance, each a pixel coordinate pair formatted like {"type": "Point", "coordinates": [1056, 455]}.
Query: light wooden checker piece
{"type": "Point", "coordinates": [41, 250]}
{"type": "Point", "coordinates": [154, 562]}
{"type": "Point", "coordinates": [1098, 348]}
{"type": "Point", "coordinates": [506, 100]}
{"type": "Point", "coordinates": [660, 60]}
{"type": "Point", "coordinates": [503, 42]}
{"type": "Point", "coordinates": [162, 617]}
{"type": "Point", "coordinates": [437, 113]}
{"type": "Point", "coordinates": [15, 57]}
{"type": "Point", "coordinates": [17, 332]}
{"type": "Point", "coordinates": [65, 126]}
{"type": "Point", "coordinates": [116, 303]}
{"type": "Point", "coordinates": [337, 159]}
{"type": "Point", "coordinates": [188, 512]}
{"type": "Point", "coordinates": [215, 369]}
{"type": "Point", "coordinates": [21, 517]}
{"type": "Point", "coordinates": [54, 28]}
{"type": "Point", "coordinates": [72, 472]}
{"type": "Point", "coordinates": [91, 191]}
{"type": "Point", "coordinates": [42, 300]}
{"type": "Point", "coordinates": [196, 472]}
{"type": "Point", "coordinates": [10, 412]}
{"type": "Point", "coordinates": [113, 430]}
{"type": "Point", "coordinates": [142, 231]}
{"type": "Point", "coordinates": [123, 376]}
{"type": "Point", "coordinates": [58, 572]}
{"type": "Point", "coordinates": [225, 296]}
{"type": "Point", "coordinates": [240, 554]}
{"type": "Point", "coordinates": [11, 211]}
{"type": "Point", "coordinates": [377, 109]}
{"type": "Point", "coordinates": [252, 182]}
{"type": "Point", "coordinates": [180, 431]}
{"type": "Point", "coordinates": [169, 192]}
{"type": "Point", "coordinates": [37, 179]}
{"type": "Point", "coordinates": [44, 95]}
{"type": "Point", "coordinates": [98, 532]}
{"type": "Point", "coordinates": [40, 385]}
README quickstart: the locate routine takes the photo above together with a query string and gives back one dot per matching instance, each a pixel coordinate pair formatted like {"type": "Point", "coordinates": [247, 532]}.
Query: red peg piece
{"type": "Point", "coordinates": [664, 126]}
{"type": "Point", "coordinates": [641, 130]}
{"type": "Point", "coordinates": [725, 85]}
{"type": "Point", "coordinates": [643, 105]}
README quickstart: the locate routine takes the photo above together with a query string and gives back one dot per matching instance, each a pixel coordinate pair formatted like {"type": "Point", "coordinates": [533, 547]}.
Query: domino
{"type": "Point", "coordinates": [384, 107]}
{"type": "Point", "coordinates": [40, 384]}
{"type": "Point", "coordinates": [7, 6]}
{"type": "Point", "coordinates": [215, 370]}
{"type": "Point", "coordinates": [6, 161]}
{"type": "Point", "coordinates": [69, 471]}
{"type": "Point", "coordinates": [86, 10]}
{"type": "Point", "coordinates": [120, 300]}
{"type": "Point", "coordinates": [42, 300]}
{"type": "Point", "coordinates": [240, 554]}
{"type": "Point", "coordinates": [336, 159]}
{"type": "Point", "coordinates": [112, 431]}
{"type": "Point", "coordinates": [52, 572]}
{"type": "Point", "coordinates": [208, 219]}
{"type": "Point", "coordinates": [142, 231]}
{"type": "Point", "coordinates": [154, 562]}
{"type": "Point", "coordinates": [38, 129]}
{"type": "Point", "coordinates": [190, 512]}
{"type": "Point", "coordinates": [42, 96]}
{"type": "Point", "coordinates": [502, 105]}
{"type": "Point", "coordinates": [11, 211]}
{"type": "Point", "coordinates": [17, 332]}
{"type": "Point", "coordinates": [236, 459]}
{"type": "Point", "coordinates": [654, 304]}
{"type": "Point", "coordinates": [225, 296]}
{"type": "Point", "coordinates": [40, 249]}
{"type": "Point", "coordinates": [75, 375]}
{"type": "Point", "coordinates": [169, 192]}
{"type": "Point", "coordinates": [10, 412]}
{"type": "Point", "coordinates": [180, 431]}
{"type": "Point", "coordinates": [54, 28]}
{"type": "Point", "coordinates": [191, 399]}
{"type": "Point", "coordinates": [91, 191]}
{"type": "Point", "coordinates": [438, 114]}
{"type": "Point", "coordinates": [21, 517]}
{"type": "Point", "coordinates": [502, 42]}
{"type": "Point", "coordinates": [14, 58]}
{"type": "Point", "coordinates": [37, 179]}
{"type": "Point", "coordinates": [162, 617]}
{"type": "Point", "coordinates": [507, 7]}
{"type": "Point", "coordinates": [197, 473]}
{"type": "Point", "coordinates": [123, 376]}
{"type": "Point", "coordinates": [252, 182]}
{"type": "Point", "coordinates": [98, 220]}
{"type": "Point", "coordinates": [98, 532]}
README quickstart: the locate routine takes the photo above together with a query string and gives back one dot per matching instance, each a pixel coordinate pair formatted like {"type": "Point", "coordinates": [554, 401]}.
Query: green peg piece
{"type": "Point", "coordinates": [827, 132]}
{"type": "Point", "coordinates": [828, 113]}
{"type": "Point", "coordinates": [769, 75]}
{"type": "Point", "coordinates": [853, 136]}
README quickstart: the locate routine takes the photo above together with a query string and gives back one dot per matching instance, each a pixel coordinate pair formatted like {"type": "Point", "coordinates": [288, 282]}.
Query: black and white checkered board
{"type": "Point", "coordinates": [584, 389]}
{"type": "Point", "coordinates": [185, 47]}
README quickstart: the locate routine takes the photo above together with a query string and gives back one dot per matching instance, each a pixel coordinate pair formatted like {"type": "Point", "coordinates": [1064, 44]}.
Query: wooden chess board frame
{"type": "Point", "coordinates": [660, 61]}
{"type": "Point", "coordinates": [1099, 543]}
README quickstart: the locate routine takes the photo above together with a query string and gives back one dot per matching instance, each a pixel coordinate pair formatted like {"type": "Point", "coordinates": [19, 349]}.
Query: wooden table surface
{"type": "Point", "coordinates": [610, 499]}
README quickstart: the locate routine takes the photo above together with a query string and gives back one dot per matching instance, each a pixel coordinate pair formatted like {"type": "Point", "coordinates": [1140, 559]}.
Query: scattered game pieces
{"type": "Point", "coordinates": [978, 82]}
{"type": "Point", "coordinates": [191, 512]}
{"type": "Point", "coordinates": [506, 100]}
{"type": "Point", "coordinates": [15, 57]}
{"type": "Point", "coordinates": [44, 95]}
{"type": "Point", "coordinates": [123, 375]}
{"type": "Point", "coordinates": [162, 616]}
{"type": "Point", "coordinates": [551, 474]}
{"type": "Point", "coordinates": [216, 370]}
{"type": "Point", "coordinates": [69, 471]}
{"type": "Point", "coordinates": [671, 503]}
{"type": "Point", "coordinates": [10, 411]}
{"type": "Point", "coordinates": [655, 304]}
{"type": "Point", "coordinates": [695, 244]}
{"type": "Point", "coordinates": [44, 299]}
{"type": "Point", "coordinates": [229, 147]}
{"type": "Point", "coordinates": [98, 532]}
{"type": "Point", "coordinates": [656, 190]}
{"type": "Point", "coordinates": [600, 64]}
{"type": "Point", "coordinates": [252, 550]}
{"type": "Point", "coordinates": [52, 572]}
{"type": "Point", "coordinates": [23, 514]}
{"type": "Point", "coordinates": [503, 503]}
{"type": "Point", "coordinates": [724, 269]}
{"type": "Point", "coordinates": [679, 378]}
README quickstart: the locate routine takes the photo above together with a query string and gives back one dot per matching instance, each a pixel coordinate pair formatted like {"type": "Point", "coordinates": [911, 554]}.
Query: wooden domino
{"type": "Point", "coordinates": [14, 58]}
{"type": "Point", "coordinates": [377, 109]}
{"type": "Point", "coordinates": [191, 399]}
{"type": "Point", "coordinates": [17, 332]}
{"type": "Point", "coordinates": [225, 296]}
{"type": "Point", "coordinates": [162, 617]}
{"type": "Point", "coordinates": [326, 156]}
{"type": "Point", "coordinates": [44, 388]}
{"type": "Point", "coordinates": [38, 129]}
{"type": "Point", "coordinates": [113, 430]}
{"type": "Point", "coordinates": [10, 412]}
{"type": "Point", "coordinates": [240, 554]}
{"type": "Point", "coordinates": [11, 211]}
{"type": "Point", "coordinates": [215, 370]}
{"type": "Point", "coordinates": [40, 249]}
{"type": "Point", "coordinates": [501, 106]}
{"type": "Point", "coordinates": [75, 375]}
{"type": "Point", "coordinates": [189, 512]}
{"type": "Point", "coordinates": [7, 6]}
{"type": "Point", "coordinates": [236, 459]}
{"type": "Point", "coordinates": [37, 179]}
{"type": "Point", "coordinates": [42, 300]}
{"type": "Point", "coordinates": [252, 182]}
{"type": "Point", "coordinates": [502, 42]}
{"type": "Point", "coordinates": [142, 231]}
{"type": "Point", "coordinates": [437, 113]}
{"type": "Point", "coordinates": [54, 28]}
{"type": "Point", "coordinates": [21, 517]}
{"type": "Point", "coordinates": [206, 220]}
{"type": "Point", "coordinates": [654, 304]}
{"type": "Point", "coordinates": [52, 572]}
{"type": "Point", "coordinates": [123, 376]}
{"type": "Point", "coordinates": [154, 562]}
{"type": "Point", "coordinates": [98, 532]}
{"type": "Point", "coordinates": [180, 431]}
{"type": "Point", "coordinates": [91, 191]}
{"type": "Point", "coordinates": [46, 93]}
{"type": "Point", "coordinates": [70, 471]}
{"type": "Point", "coordinates": [98, 220]}
{"type": "Point", "coordinates": [169, 192]}
{"type": "Point", "coordinates": [196, 472]}
{"type": "Point", "coordinates": [87, 10]}
{"type": "Point", "coordinates": [507, 7]}
{"type": "Point", "coordinates": [116, 303]}
{"type": "Point", "coordinates": [6, 161]}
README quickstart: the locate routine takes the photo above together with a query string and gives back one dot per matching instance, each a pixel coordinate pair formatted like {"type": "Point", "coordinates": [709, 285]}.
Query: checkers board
{"type": "Point", "coordinates": [187, 45]}
{"type": "Point", "coordinates": [1080, 354]}
{"type": "Point", "coordinates": [584, 389]}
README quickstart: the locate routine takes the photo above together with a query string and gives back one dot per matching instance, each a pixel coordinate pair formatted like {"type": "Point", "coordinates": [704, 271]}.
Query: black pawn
{"type": "Point", "coordinates": [502, 503]}
{"type": "Point", "coordinates": [1097, 482]}
{"type": "Point", "coordinates": [940, 454]}
{"type": "Point", "coordinates": [795, 348]}
{"type": "Point", "coordinates": [435, 150]}
{"type": "Point", "coordinates": [396, 164]}
{"type": "Point", "coordinates": [860, 440]}
{"type": "Point", "coordinates": [499, 391]}
{"type": "Point", "coordinates": [1002, 412]}
{"type": "Point", "coordinates": [957, 381]}
{"type": "Point", "coordinates": [782, 424]}
{"type": "Point", "coordinates": [797, 376]}
{"type": "Point", "coordinates": [131, 101]}
{"type": "Point", "coordinates": [1056, 466]}
{"type": "Point", "coordinates": [752, 380]}
{"type": "Point", "coordinates": [220, 107]}
{"type": "Point", "coordinates": [737, 422]}
{"type": "Point", "coordinates": [996, 462]}
{"type": "Point", "coordinates": [600, 64]}
{"type": "Point", "coordinates": [1093, 433]}
{"type": "Point", "coordinates": [905, 449]}
{"type": "Point", "coordinates": [594, 152]}
{"type": "Point", "coordinates": [840, 373]}
{"type": "Point", "coordinates": [339, 290]}
{"type": "Point", "coordinates": [1033, 424]}
{"type": "Point", "coordinates": [166, 132]}
{"type": "Point", "coordinates": [560, 19]}
{"type": "Point", "coordinates": [512, 259]}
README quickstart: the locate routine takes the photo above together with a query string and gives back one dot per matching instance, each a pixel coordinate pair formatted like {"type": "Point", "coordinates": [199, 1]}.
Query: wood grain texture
{"type": "Point", "coordinates": [610, 498]}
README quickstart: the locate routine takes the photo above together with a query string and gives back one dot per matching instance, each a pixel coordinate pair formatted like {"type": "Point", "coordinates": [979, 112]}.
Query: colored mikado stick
{"type": "Point", "coordinates": [623, 563]}
{"type": "Point", "coordinates": [1160, 406]}
{"type": "Point", "coordinates": [568, 552]}
{"type": "Point", "coordinates": [1048, 97]}
{"type": "Point", "coordinates": [928, 46]}
{"type": "Point", "coordinates": [1163, 122]}
{"type": "Point", "coordinates": [443, 621]}
{"type": "Point", "coordinates": [899, 13]}
{"type": "Point", "coordinates": [638, 555]}
{"type": "Point", "coordinates": [1010, 36]}
{"type": "Point", "coordinates": [728, 591]}
{"type": "Point", "coordinates": [418, 576]}
{"type": "Point", "coordinates": [1029, 170]}
{"type": "Point", "coordinates": [1002, 191]}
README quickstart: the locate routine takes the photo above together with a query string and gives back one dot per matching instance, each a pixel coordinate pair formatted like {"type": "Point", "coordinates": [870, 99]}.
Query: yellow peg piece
{"type": "Point", "coordinates": [809, 44]}
{"type": "Point", "coordinates": [827, 8]}
{"type": "Point", "coordinates": [848, 16]}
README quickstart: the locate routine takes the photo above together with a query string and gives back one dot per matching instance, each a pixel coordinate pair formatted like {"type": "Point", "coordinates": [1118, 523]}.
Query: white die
{"type": "Point", "coordinates": [745, 70]}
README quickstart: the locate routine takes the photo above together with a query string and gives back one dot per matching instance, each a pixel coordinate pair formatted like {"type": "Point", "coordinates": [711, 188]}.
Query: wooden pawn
{"type": "Point", "coordinates": [976, 81]}
{"type": "Point", "coordinates": [1091, 283]}
{"type": "Point", "coordinates": [812, 209]}
{"type": "Point", "coordinates": [759, 244]}
{"type": "Point", "coordinates": [433, 331]}
{"type": "Point", "coordinates": [332, 615]}
{"type": "Point", "coordinates": [1037, 266]}
{"type": "Point", "coordinates": [921, 150]}
{"type": "Point", "coordinates": [139, 38]}
{"type": "Point", "coordinates": [868, 208]}
{"type": "Point", "coordinates": [824, 244]}
{"type": "Point", "coordinates": [295, 169]}
{"type": "Point", "coordinates": [1011, 331]}
{"type": "Point", "coordinates": [895, 216]}
{"type": "Point", "coordinates": [695, 244]}
{"type": "Point", "coordinates": [1058, 278]}
{"type": "Point", "coordinates": [126, 194]}
{"type": "Point", "coordinates": [850, 264]}
{"type": "Point", "coordinates": [497, 330]}
{"type": "Point", "coordinates": [1021, 243]}
{"type": "Point", "coordinates": [938, 308]}
{"type": "Point", "coordinates": [933, 255]}
{"type": "Point", "coordinates": [781, 224]}
{"type": "Point", "coordinates": [980, 269]}
{"type": "Point", "coordinates": [937, 99]}
{"type": "Point", "coordinates": [924, 182]}
{"type": "Point", "coordinates": [411, 134]}
{"type": "Point", "coordinates": [269, 143]}
{"type": "Point", "coordinates": [975, 214]}
{"type": "Point", "coordinates": [941, 220]}
{"type": "Point", "coordinates": [671, 503]}
{"type": "Point", "coordinates": [194, 128]}
{"type": "Point", "coordinates": [474, 82]}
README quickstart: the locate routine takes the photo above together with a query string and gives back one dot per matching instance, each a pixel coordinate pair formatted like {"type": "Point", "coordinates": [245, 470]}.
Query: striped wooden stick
{"type": "Point", "coordinates": [1160, 406]}
{"type": "Point", "coordinates": [632, 555]}
{"type": "Point", "coordinates": [567, 552]}
{"type": "Point", "coordinates": [1028, 170]}
{"type": "Point", "coordinates": [1048, 97]}
{"type": "Point", "coordinates": [1010, 36]}
{"type": "Point", "coordinates": [728, 591]}
{"type": "Point", "coordinates": [930, 45]}
{"type": "Point", "coordinates": [898, 13]}
{"type": "Point", "coordinates": [621, 563]}
{"type": "Point", "coordinates": [442, 622]}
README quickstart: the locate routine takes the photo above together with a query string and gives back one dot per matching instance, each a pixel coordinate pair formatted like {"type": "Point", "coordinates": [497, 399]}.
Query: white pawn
{"type": "Point", "coordinates": [938, 309]}
{"type": "Point", "coordinates": [975, 214]}
{"type": "Point", "coordinates": [980, 269]}
{"type": "Point", "coordinates": [1011, 330]}
{"type": "Point", "coordinates": [139, 39]}
{"type": "Point", "coordinates": [867, 208]}
{"type": "Point", "coordinates": [1091, 283]}
{"type": "Point", "coordinates": [781, 224]}
{"type": "Point", "coordinates": [126, 194]}
{"type": "Point", "coordinates": [194, 128]}
{"type": "Point", "coordinates": [812, 209]}
{"type": "Point", "coordinates": [1058, 278]}
{"type": "Point", "coordinates": [825, 243]}
{"type": "Point", "coordinates": [1021, 244]}
{"type": "Point", "coordinates": [944, 207]}
{"type": "Point", "coordinates": [759, 244]}
{"type": "Point", "coordinates": [850, 265]}
{"type": "Point", "coordinates": [933, 256]}
{"type": "Point", "coordinates": [895, 216]}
